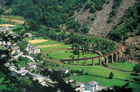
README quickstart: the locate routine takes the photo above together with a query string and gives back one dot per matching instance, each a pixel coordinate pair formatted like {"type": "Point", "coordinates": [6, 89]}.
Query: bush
{"type": "Point", "coordinates": [109, 20]}
{"type": "Point", "coordinates": [88, 5]}
{"type": "Point", "coordinates": [93, 18]}
{"type": "Point", "coordinates": [86, 73]}
{"type": "Point", "coordinates": [92, 9]}
{"type": "Point", "coordinates": [111, 75]}
{"type": "Point", "coordinates": [84, 29]}
{"type": "Point", "coordinates": [136, 68]}
{"type": "Point", "coordinates": [113, 13]}
{"type": "Point", "coordinates": [107, 1]}
{"type": "Point", "coordinates": [99, 7]}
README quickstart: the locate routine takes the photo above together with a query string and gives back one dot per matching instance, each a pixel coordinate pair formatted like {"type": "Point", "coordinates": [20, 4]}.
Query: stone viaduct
{"type": "Point", "coordinates": [113, 56]}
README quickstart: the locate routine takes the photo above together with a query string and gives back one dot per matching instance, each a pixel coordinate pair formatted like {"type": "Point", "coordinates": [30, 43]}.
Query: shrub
{"type": "Point", "coordinates": [86, 73]}
{"type": "Point", "coordinates": [92, 9]}
{"type": "Point", "coordinates": [109, 20]}
{"type": "Point", "coordinates": [136, 68]}
{"type": "Point", "coordinates": [93, 18]}
{"type": "Point", "coordinates": [88, 5]}
{"type": "Point", "coordinates": [84, 29]}
{"type": "Point", "coordinates": [98, 7]}
{"type": "Point", "coordinates": [111, 75]}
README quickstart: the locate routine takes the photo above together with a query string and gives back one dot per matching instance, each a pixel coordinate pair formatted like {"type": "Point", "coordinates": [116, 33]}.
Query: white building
{"type": "Point", "coordinates": [31, 65]}
{"type": "Point", "coordinates": [32, 49]}
{"type": "Point", "coordinates": [91, 86]}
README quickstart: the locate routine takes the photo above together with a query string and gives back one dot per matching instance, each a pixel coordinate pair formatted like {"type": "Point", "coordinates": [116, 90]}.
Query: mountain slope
{"type": "Point", "coordinates": [100, 27]}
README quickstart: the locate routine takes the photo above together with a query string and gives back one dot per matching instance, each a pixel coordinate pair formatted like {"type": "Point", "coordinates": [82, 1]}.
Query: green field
{"type": "Point", "coordinates": [62, 54]}
{"type": "Point", "coordinates": [66, 54]}
{"type": "Point", "coordinates": [126, 66]}
{"type": "Point", "coordinates": [97, 72]}
{"type": "Point", "coordinates": [101, 74]}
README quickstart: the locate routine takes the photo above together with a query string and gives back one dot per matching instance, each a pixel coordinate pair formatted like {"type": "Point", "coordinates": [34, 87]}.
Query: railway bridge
{"type": "Point", "coordinates": [113, 56]}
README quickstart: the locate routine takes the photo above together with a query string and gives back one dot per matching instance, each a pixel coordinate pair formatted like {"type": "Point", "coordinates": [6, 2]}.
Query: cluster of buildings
{"type": "Point", "coordinates": [32, 49]}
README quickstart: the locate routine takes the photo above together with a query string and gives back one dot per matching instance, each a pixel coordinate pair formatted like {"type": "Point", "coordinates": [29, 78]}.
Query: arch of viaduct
{"type": "Point", "coordinates": [112, 56]}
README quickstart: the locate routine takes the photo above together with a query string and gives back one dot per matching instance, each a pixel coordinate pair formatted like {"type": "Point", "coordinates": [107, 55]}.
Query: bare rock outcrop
{"type": "Point", "coordinates": [132, 50]}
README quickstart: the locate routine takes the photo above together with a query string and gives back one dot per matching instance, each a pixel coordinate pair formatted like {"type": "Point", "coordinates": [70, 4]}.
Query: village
{"type": "Point", "coordinates": [91, 86]}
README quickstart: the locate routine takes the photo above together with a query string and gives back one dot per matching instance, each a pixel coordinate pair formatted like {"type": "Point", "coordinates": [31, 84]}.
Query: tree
{"type": "Point", "coordinates": [115, 35]}
{"type": "Point", "coordinates": [76, 48]}
{"type": "Point", "coordinates": [136, 68]}
{"type": "Point", "coordinates": [84, 29]}
{"type": "Point", "coordinates": [22, 45]}
{"type": "Point", "coordinates": [111, 75]}
{"type": "Point", "coordinates": [6, 57]}
{"type": "Point", "coordinates": [123, 88]}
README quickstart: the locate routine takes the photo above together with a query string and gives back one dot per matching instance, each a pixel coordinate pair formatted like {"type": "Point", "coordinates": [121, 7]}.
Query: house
{"type": "Point", "coordinates": [29, 34]}
{"type": "Point", "coordinates": [65, 70]}
{"type": "Point", "coordinates": [31, 65]}
{"type": "Point", "coordinates": [91, 86]}
{"type": "Point", "coordinates": [80, 87]}
{"type": "Point", "coordinates": [32, 49]}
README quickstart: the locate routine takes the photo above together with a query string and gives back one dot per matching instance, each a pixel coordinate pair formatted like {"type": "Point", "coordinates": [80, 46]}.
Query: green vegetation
{"type": "Point", "coordinates": [120, 66]}
{"type": "Point", "coordinates": [137, 68]}
{"type": "Point", "coordinates": [60, 9]}
{"type": "Point", "coordinates": [101, 74]}
{"type": "Point", "coordinates": [128, 25]}
{"type": "Point", "coordinates": [66, 54]}
{"type": "Point", "coordinates": [47, 24]}
{"type": "Point", "coordinates": [111, 75]}
{"type": "Point", "coordinates": [2, 86]}
{"type": "Point", "coordinates": [102, 45]}
{"type": "Point", "coordinates": [95, 5]}
{"type": "Point", "coordinates": [22, 61]}
{"type": "Point", "coordinates": [22, 45]}
{"type": "Point", "coordinates": [93, 18]}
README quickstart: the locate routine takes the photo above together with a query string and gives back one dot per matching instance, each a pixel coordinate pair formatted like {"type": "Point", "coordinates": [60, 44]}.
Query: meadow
{"type": "Point", "coordinates": [122, 71]}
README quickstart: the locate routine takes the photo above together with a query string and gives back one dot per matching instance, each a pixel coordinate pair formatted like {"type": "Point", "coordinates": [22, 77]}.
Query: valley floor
{"type": "Point", "coordinates": [122, 71]}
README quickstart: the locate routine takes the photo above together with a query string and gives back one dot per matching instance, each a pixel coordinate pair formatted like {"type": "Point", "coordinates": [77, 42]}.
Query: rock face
{"type": "Point", "coordinates": [132, 49]}
{"type": "Point", "coordinates": [99, 27]}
